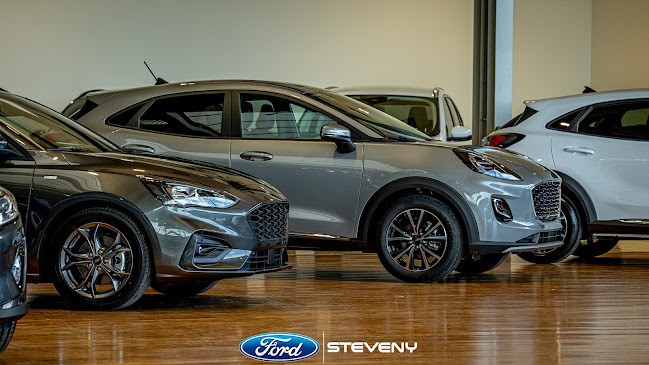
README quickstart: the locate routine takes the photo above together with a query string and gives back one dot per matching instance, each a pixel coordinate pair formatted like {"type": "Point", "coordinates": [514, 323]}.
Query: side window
{"type": "Point", "coordinates": [629, 120]}
{"type": "Point", "coordinates": [198, 115]}
{"type": "Point", "coordinates": [448, 117]}
{"type": "Point", "coordinates": [563, 122]}
{"type": "Point", "coordinates": [265, 116]}
{"type": "Point", "coordinates": [457, 119]}
{"type": "Point", "coordinates": [125, 117]}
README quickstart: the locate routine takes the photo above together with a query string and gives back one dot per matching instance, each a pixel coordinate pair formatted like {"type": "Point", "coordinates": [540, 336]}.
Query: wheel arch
{"type": "Point", "coordinates": [66, 208]}
{"type": "Point", "coordinates": [577, 193]}
{"type": "Point", "coordinates": [416, 186]}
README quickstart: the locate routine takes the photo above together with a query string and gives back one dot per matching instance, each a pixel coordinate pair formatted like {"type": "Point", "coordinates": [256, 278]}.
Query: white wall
{"type": "Point", "coordinates": [53, 50]}
{"type": "Point", "coordinates": [552, 43]}
{"type": "Point", "coordinates": [620, 51]}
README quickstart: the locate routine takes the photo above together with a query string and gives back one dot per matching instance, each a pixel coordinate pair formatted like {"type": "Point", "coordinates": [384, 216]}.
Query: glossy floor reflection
{"type": "Point", "coordinates": [593, 311]}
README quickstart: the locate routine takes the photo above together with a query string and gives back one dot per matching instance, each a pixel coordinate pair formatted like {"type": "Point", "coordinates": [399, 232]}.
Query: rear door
{"type": "Point", "coordinates": [193, 125]}
{"type": "Point", "coordinates": [280, 143]}
{"type": "Point", "coordinates": [607, 152]}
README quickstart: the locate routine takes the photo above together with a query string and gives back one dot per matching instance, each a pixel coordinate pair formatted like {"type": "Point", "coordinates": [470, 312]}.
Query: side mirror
{"type": "Point", "coordinates": [339, 135]}
{"type": "Point", "coordinates": [460, 133]}
{"type": "Point", "coordinates": [137, 148]}
{"type": "Point", "coordinates": [6, 153]}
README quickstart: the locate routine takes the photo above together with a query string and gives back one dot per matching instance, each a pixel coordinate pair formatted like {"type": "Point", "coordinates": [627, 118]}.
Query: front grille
{"type": "Point", "coordinates": [543, 237]}
{"type": "Point", "coordinates": [267, 259]}
{"type": "Point", "coordinates": [546, 197]}
{"type": "Point", "coordinates": [269, 222]}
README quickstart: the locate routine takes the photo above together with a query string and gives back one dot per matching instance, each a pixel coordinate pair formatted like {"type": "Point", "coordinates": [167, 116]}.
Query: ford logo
{"type": "Point", "coordinates": [279, 347]}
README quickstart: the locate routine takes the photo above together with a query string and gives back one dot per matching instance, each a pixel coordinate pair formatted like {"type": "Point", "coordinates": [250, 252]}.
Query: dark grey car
{"type": "Point", "coordinates": [354, 176]}
{"type": "Point", "coordinates": [103, 224]}
{"type": "Point", "coordinates": [13, 268]}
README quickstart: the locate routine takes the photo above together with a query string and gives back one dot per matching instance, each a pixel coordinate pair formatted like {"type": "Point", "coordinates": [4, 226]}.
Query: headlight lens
{"type": "Point", "coordinates": [8, 207]}
{"type": "Point", "coordinates": [184, 196]}
{"type": "Point", "coordinates": [485, 165]}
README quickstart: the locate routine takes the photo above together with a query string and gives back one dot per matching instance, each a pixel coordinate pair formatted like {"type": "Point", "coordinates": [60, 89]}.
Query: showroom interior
{"type": "Point", "coordinates": [322, 292]}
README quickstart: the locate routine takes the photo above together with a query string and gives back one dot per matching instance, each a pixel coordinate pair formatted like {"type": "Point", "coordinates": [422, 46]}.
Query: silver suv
{"type": "Point", "coordinates": [355, 177]}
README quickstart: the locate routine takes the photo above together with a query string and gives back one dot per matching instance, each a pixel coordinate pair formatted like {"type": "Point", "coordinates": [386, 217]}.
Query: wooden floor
{"type": "Point", "coordinates": [587, 312]}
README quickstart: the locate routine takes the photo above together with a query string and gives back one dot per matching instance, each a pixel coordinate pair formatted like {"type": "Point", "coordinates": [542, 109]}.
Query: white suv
{"type": "Point", "coordinates": [599, 144]}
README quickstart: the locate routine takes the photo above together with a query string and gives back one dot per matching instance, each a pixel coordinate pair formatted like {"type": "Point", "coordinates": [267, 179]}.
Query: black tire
{"type": "Point", "coordinates": [121, 264]}
{"type": "Point", "coordinates": [183, 289]}
{"type": "Point", "coordinates": [6, 333]}
{"type": "Point", "coordinates": [593, 247]}
{"type": "Point", "coordinates": [409, 259]}
{"type": "Point", "coordinates": [570, 232]}
{"type": "Point", "coordinates": [480, 264]}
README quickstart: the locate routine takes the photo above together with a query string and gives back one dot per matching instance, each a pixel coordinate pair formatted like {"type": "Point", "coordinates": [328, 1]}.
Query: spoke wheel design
{"type": "Point", "coordinates": [417, 240]}
{"type": "Point", "coordinates": [96, 260]}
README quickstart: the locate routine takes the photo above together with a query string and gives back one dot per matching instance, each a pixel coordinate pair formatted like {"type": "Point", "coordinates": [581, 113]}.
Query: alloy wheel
{"type": "Point", "coordinates": [96, 260]}
{"type": "Point", "coordinates": [416, 240]}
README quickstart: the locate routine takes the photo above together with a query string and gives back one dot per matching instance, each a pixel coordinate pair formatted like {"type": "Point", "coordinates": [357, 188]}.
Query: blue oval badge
{"type": "Point", "coordinates": [279, 347]}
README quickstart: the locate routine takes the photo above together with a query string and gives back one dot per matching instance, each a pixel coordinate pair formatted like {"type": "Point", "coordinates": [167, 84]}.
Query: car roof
{"type": "Point", "coordinates": [589, 98]}
{"type": "Point", "coordinates": [217, 84]}
{"type": "Point", "coordinates": [387, 90]}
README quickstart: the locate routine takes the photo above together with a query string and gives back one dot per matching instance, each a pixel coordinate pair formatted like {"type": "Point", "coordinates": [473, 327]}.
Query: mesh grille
{"type": "Point", "coordinates": [551, 236]}
{"type": "Point", "coordinates": [543, 237]}
{"type": "Point", "coordinates": [267, 259]}
{"type": "Point", "coordinates": [269, 222]}
{"type": "Point", "coordinates": [547, 200]}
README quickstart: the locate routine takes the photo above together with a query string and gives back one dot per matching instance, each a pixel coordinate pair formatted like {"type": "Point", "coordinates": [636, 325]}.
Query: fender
{"type": "Point", "coordinates": [439, 189]}
{"type": "Point", "coordinates": [570, 184]}
{"type": "Point", "coordinates": [47, 228]}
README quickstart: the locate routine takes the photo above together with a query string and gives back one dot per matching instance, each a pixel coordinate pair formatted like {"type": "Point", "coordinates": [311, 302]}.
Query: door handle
{"type": "Point", "coordinates": [256, 156]}
{"type": "Point", "coordinates": [579, 150]}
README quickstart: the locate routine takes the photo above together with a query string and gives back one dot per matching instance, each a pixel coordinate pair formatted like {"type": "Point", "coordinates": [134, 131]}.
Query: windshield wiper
{"type": "Point", "coordinates": [68, 149]}
{"type": "Point", "coordinates": [400, 138]}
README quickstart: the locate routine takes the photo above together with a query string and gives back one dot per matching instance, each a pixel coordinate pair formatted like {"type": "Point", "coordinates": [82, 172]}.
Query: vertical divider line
{"type": "Point", "coordinates": [323, 347]}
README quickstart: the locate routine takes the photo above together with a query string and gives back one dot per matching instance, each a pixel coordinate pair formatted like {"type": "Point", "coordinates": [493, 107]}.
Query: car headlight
{"type": "Point", "coordinates": [8, 207]}
{"type": "Point", "coordinates": [485, 165]}
{"type": "Point", "coordinates": [184, 196]}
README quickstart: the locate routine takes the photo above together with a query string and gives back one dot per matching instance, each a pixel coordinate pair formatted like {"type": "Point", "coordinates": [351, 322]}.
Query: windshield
{"type": "Point", "coordinates": [416, 111]}
{"type": "Point", "coordinates": [374, 119]}
{"type": "Point", "coordinates": [48, 129]}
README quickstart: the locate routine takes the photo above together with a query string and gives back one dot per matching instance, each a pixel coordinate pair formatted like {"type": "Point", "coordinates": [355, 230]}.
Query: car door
{"type": "Point", "coordinates": [189, 125]}
{"type": "Point", "coordinates": [279, 142]}
{"type": "Point", "coordinates": [606, 150]}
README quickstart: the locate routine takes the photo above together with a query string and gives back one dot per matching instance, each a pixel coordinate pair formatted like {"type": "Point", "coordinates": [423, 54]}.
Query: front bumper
{"type": "Point", "coordinates": [204, 244]}
{"type": "Point", "coordinates": [12, 296]}
{"type": "Point", "coordinates": [524, 232]}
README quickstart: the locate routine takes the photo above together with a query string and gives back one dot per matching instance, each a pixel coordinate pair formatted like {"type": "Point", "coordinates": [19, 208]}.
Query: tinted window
{"type": "Point", "coordinates": [528, 112]}
{"type": "Point", "coordinates": [265, 116]}
{"type": "Point", "coordinates": [627, 120]}
{"type": "Point", "coordinates": [380, 123]}
{"type": "Point", "coordinates": [125, 118]}
{"type": "Point", "coordinates": [562, 123]}
{"type": "Point", "coordinates": [48, 129]}
{"type": "Point", "coordinates": [456, 114]}
{"type": "Point", "coordinates": [198, 115]}
{"type": "Point", "coordinates": [417, 112]}
{"type": "Point", "coordinates": [448, 117]}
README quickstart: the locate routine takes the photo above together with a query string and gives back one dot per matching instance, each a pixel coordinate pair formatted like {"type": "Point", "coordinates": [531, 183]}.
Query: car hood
{"type": "Point", "coordinates": [519, 163]}
{"type": "Point", "coordinates": [171, 169]}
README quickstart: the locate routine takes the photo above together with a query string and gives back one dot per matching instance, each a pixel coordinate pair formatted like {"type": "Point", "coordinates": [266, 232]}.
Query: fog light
{"type": "Point", "coordinates": [501, 209]}
{"type": "Point", "coordinates": [18, 266]}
